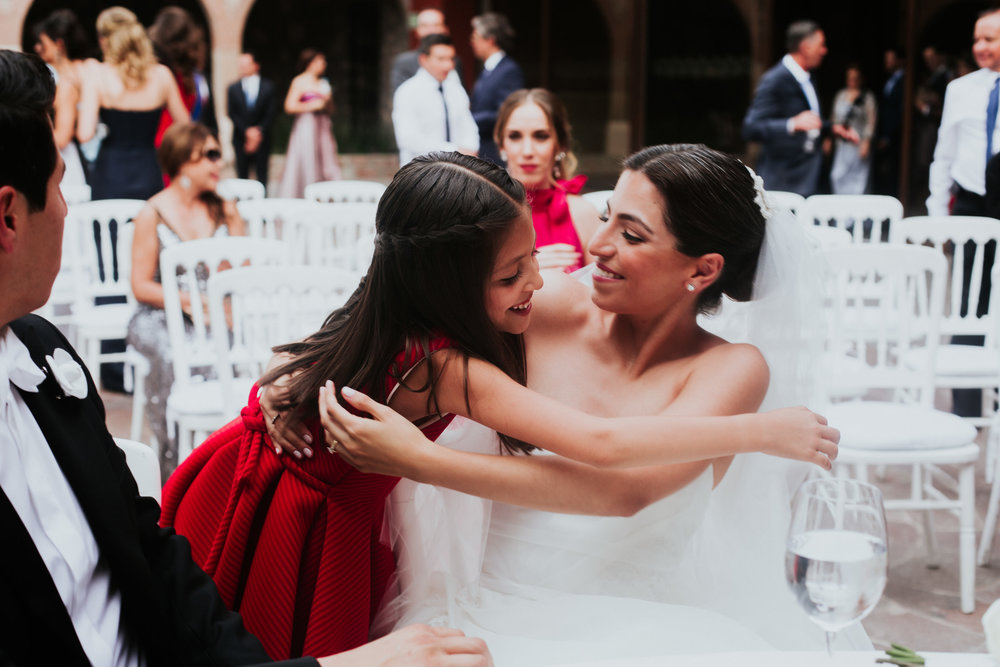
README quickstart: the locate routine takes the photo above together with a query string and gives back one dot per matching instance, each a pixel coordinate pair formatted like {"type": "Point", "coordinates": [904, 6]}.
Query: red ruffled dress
{"type": "Point", "coordinates": [551, 217]}
{"type": "Point", "coordinates": [295, 546]}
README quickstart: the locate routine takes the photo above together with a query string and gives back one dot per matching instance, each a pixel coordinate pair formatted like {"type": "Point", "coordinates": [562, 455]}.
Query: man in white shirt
{"type": "Point", "coordinates": [966, 139]}
{"type": "Point", "coordinates": [430, 111]}
{"type": "Point", "coordinates": [89, 576]}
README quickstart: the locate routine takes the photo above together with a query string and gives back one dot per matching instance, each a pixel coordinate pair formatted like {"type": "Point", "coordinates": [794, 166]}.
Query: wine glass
{"type": "Point", "coordinates": [835, 559]}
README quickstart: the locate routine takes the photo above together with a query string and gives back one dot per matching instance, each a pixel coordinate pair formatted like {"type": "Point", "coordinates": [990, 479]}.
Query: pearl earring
{"type": "Point", "coordinates": [503, 155]}
{"type": "Point", "coordinates": [690, 287]}
{"type": "Point", "coordinates": [185, 182]}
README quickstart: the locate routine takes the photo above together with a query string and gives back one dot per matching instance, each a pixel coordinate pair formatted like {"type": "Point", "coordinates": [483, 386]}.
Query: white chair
{"type": "Point", "coordinates": [99, 244]}
{"type": "Point", "coordinates": [884, 303]}
{"type": "Point", "coordinates": [195, 404]}
{"type": "Point", "coordinates": [345, 191]}
{"type": "Point", "coordinates": [267, 306]}
{"type": "Point", "coordinates": [240, 189]}
{"type": "Point", "coordinates": [963, 366]}
{"type": "Point", "coordinates": [599, 198]}
{"type": "Point", "coordinates": [869, 218]}
{"type": "Point", "coordinates": [267, 218]}
{"type": "Point", "coordinates": [144, 466]}
{"type": "Point", "coordinates": [330, 235]}
{"type": "Point", "coordinates": [779, 200]}
{"type": "Point", "coordinates": [828, 237]}
{"type": "Point", "coordinates": [75, 194]}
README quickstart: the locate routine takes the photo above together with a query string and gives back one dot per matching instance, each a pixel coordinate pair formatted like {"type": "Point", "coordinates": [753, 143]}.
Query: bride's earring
{"type": "Point", "coordinates": [690, 287]}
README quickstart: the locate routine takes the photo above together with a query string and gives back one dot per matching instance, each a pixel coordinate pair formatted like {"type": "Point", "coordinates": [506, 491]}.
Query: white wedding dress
{"type": "Point", "coordinates": [701, 570]}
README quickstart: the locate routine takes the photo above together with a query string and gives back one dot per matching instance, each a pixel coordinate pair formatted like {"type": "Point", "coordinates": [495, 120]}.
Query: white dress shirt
{"type": "Point", "coordinates": [418, 116]}
{"type": "Point", "coordinates": [36, 487]}
{"type": "Point", "coordinates": [491, 63]}
{"type": "Point", "coordinates": [960, 154]}
{"type": "Point", "coordinates": [805, 81]}
{"type": "Point", "coordinates": [251, 88]}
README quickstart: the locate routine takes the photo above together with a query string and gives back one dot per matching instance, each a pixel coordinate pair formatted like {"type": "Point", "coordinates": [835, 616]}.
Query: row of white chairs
{"type": "Point", "coordinates": [243, 189]}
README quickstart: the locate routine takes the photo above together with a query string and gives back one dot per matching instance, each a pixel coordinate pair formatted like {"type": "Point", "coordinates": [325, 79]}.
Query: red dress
{"type": "Point", "coordinates": [295, 546]}
{"type": "Point", "coordinates": [551, 217]}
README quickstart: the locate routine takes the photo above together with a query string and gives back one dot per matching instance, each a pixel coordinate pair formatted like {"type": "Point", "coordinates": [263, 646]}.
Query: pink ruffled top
{"type": "Point", "coordinates": [551, 216]}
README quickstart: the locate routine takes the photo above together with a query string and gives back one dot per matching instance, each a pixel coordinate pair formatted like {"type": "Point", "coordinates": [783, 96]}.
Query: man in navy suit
{"type": "Point", "coordinates": [251, 104]}
{"type": "Point", "coordinates": [491, 37]}
{"type": "Point", "coordinates": [89, 576]}
{"type": "Point", "coordinates": [785, 116]}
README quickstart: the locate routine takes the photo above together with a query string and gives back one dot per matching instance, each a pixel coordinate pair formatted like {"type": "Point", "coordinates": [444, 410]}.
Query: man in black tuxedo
{"type": "Point", "coordinates": [251, 104]}
{"type": "Point", "coordinates": [491, 38]}
{"type": "Point", "coordinates": [90, 578]}
{"type": "Point", "coordinates": [785, 116]}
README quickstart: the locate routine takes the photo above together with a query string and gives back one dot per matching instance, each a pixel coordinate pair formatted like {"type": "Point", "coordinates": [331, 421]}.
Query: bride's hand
{"type": "Point", "coordinates": [386, 443]}
{"type": "Point", "coordinates": [797, 433]}
{"type": "Point", "coordinates": [287, 433]}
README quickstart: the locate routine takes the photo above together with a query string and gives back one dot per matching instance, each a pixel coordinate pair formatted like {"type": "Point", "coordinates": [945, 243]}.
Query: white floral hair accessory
{"type": "Point", "coordinates": [758, 186]}
{"type": "Point", "coordinates": [67, 373]}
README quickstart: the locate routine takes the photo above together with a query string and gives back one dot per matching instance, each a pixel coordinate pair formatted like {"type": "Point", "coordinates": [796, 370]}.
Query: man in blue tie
{"type": "Point", "coordinates": [784, 115]}
{"type": "Point", "coordinates": [958, 175]}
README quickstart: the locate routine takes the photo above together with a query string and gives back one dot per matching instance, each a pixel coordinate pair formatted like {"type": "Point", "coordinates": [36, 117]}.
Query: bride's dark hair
{"type": "Point", "coordinates": [709, 207]}
{"type": "Point", "coordinates": [440, 224]}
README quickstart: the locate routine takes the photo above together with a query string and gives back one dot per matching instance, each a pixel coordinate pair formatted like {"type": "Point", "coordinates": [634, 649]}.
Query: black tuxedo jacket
{"type": "Point", "coordinates": [261, 114]}
{"type": "Point", "coordinates": [170, 609]}
{"type": "Point", "coordinates": [491, 89]}
{"type": "Point", "coordinates": [784, 163]}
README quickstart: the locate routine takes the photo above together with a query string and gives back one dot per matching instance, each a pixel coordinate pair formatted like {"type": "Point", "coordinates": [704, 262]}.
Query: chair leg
{"type": "Point", "coordinates": [967, 537]}
{"type": "Point", "coordinates": [930, 536]}
{"type": "Point", "coordinates": [138, 404]}
{"type": "Point", "coordinates": [990, 523]}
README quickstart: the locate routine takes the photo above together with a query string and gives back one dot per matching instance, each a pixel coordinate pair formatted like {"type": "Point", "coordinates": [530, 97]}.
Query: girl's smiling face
{"type": "Point", "coordinates": [514, 279]}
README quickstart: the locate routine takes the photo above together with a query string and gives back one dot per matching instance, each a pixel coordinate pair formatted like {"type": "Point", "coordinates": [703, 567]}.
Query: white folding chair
{"type": "Point", "coordinates": [267, 306]}
{"type": "Point", "coordinates": [964, 238]}
{"type": "Point", "coordinates": [869, 218]}
{"type": "Point", "coordinates": [345, 191]}
{"type": "Point", "coordinates": [144, 466]}
{"type": "Point", "coordinates": [330, 235]}
{"type": "Point", "coordinates": [885, 304]}
{"type": "Point", "coordinates": [240, 189]}
{"type": "Point", "coordinates": [599, 198]}
{"type": "Point", "coordinates": [195, 403]}
{"type": "Point", "coordinates": [779, 200]}
{"type": "Point", "coordinates": [267, 218]}
{"type": "Point", "coordinates": [827, 237]}
{"type": "Point", "coordinates": [100, 235]}
{"type": "Point", "coordinates": [75, 194]}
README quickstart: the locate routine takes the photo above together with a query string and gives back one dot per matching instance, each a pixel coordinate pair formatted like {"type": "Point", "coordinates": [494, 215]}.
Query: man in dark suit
{"type": "Point", "coordinates": [785, 116]}
{"type": "Point", "coordinates": [251, 104]}
{"type": "Point", "coordinates": [888, 131]}
{"type": "Point", "coordinates": [90, 578]}
{"type": "Point", "coordinates": [491, 38]}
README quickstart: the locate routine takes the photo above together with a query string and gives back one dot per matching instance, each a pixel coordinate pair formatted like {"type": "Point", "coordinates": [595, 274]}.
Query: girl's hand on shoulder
{"type": "Point", "coordinates": [557, 256]}
{"type": "Point", "coordinates": [287, 433]}
{"type": "Point", "coordinates": [797, 433]}
{"type": "Point", "coordinates": [386, 443]}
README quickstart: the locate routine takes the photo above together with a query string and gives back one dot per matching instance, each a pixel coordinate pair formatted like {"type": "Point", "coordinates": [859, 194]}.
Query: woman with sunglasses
{"type": "Point", "coordinates": [187, 209]}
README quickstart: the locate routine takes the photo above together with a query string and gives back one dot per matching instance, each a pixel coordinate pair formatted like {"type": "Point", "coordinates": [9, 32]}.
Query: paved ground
{"type": "Point", "coordinates": [920, 607]}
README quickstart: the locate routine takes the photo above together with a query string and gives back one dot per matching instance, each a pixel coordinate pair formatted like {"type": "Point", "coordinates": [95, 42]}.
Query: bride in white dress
{"type": "Point", "coordinates": [675, 567]}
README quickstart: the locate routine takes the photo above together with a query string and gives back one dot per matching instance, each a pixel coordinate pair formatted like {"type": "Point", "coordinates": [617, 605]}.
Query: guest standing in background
{"type": "Point", "coordinates": [187, 209]}
{"type": "Point", "coordinates": [406, 64]}
{"type": "Point", "coordinates": [491, 38]}
{"type": "Point", "coordinates": [430, 111]}
{"type": "Point", "coordinates": [62, 44]}
{"type": "Point", "coordinates": [251, 104]}
{"type": "Point", "coordinates": [177, 43]}
{"type": "Point", "coordinates": [854, 108]}
{"type": "Point", "coordinates": [535, 138]}
{"type": "Point", "coordinates": [889, 127]}
{"type": "Point", "coordinates": [128, 93]}
{"type": "Point", "coordinates": [930, 97]}
{"type": "Point", "coordinates": [312, 149]}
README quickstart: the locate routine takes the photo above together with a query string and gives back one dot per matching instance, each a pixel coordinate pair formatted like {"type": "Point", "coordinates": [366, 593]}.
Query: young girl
{"type": "Point", "coordinates": [295, 544]}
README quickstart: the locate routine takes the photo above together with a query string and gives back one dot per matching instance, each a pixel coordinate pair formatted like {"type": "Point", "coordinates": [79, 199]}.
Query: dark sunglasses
{"type": "Point", "coordinates": [213, 154]}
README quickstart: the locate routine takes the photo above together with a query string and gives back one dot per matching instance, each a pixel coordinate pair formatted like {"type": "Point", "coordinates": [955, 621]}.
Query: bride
{"type": "Point", "coordinates": [685, 226]}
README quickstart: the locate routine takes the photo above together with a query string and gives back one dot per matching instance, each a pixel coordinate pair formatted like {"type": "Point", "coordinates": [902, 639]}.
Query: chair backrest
{"type": "Point", "coordinates": [97, 243]}
{"type": "Point", "coordinates": [267, 218]}
{"type": "Point", "coordinates": [185, 268]}
{"type": "Point", "coordinates": [779, 200]}
{"type": "Point", "coordinates": [330, 234]}
{"type": "Point", "coordinates": [869, 218]}
{"type": "Point", "coordinates": [345, 191]}
{"type": "Point", "coordinates": [965, 238]}
{"type": "Point", "coordinates": [267, 306]}
{"type": "Point", "coordinates": [75, 194]}
{"type": "Point", "coordinates": [828, 237]}
{"type": "Point", "coordinates": [240, 189]}
{"type": "Point", "coordinates": [144, 466]}
{"type": "Point", "coordinates": [884, 310]}
{"type": "Point", "coordinates": [599, 198]}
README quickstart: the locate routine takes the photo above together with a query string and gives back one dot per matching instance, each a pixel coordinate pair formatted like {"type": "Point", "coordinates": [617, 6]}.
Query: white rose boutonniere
{"type": "Point", "coordinates": [67, 373]}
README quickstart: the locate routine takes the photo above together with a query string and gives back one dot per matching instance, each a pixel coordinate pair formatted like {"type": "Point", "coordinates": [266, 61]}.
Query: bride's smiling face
{"type": "Point", "coordinates": [638, 269]}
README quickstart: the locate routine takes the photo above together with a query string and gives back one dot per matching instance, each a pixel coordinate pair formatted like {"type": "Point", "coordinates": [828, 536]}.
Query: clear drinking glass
{"type": "Point", "coordinates": [835, 559]}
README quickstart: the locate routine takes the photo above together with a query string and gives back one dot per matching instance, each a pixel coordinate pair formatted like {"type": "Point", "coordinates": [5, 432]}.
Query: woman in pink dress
{"type": "Point", "coordinates": [533, 134]}
{"type": "Point", "coordinates": [312, 150]}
